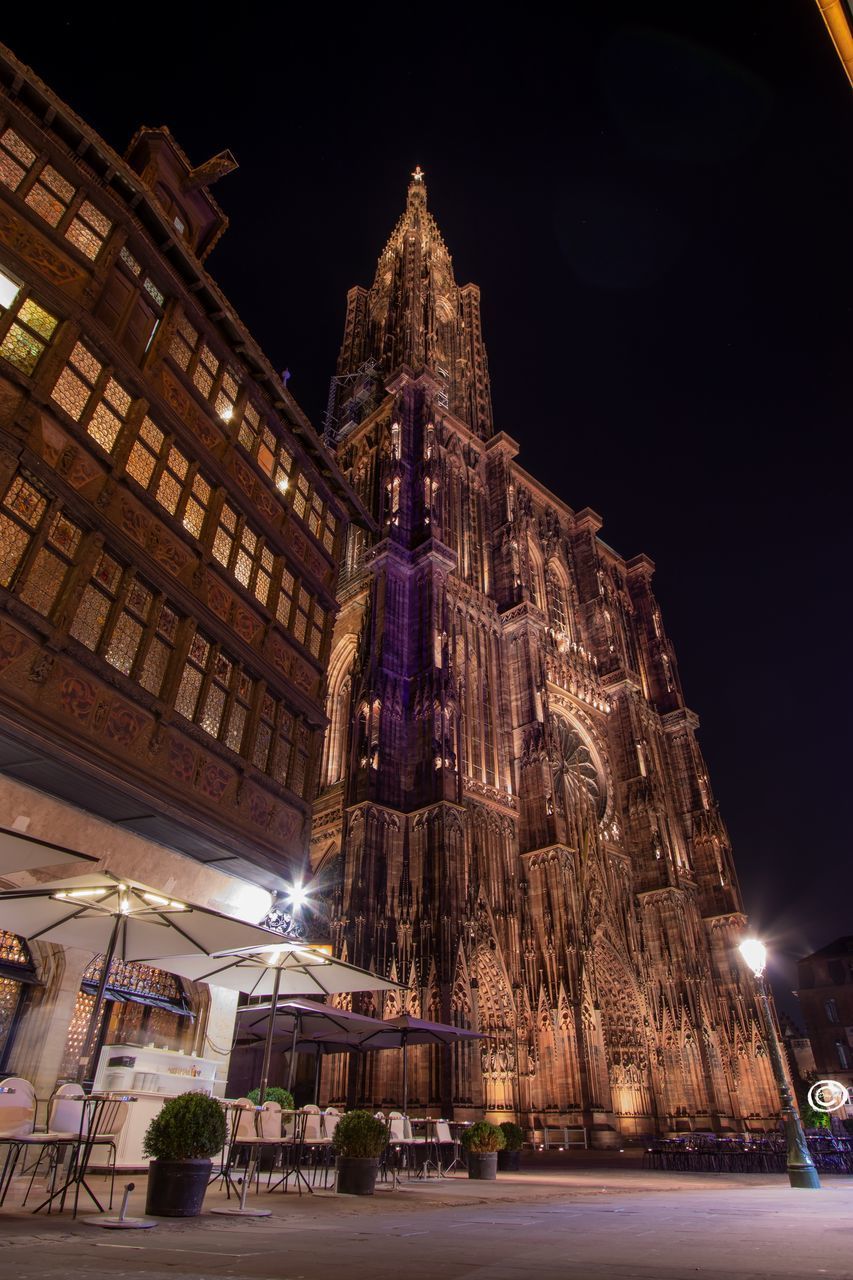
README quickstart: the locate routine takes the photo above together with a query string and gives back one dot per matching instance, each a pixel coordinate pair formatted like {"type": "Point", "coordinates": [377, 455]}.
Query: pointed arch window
{"type": "Point", "coordinates": [537, 577]}
{"type": "Point", "coordinates": [558, 605]}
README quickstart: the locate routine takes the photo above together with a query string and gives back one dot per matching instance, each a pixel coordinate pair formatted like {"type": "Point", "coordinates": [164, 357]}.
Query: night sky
{"type": "Point", "coordinates": [659, 217]}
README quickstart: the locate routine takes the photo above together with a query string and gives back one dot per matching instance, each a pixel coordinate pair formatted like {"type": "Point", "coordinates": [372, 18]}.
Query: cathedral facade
{"type": "Point", "coordinates": [514, 819]}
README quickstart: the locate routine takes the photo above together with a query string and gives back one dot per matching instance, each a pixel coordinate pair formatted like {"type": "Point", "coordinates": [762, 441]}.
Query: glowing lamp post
{"type": "Point", "coordinates": [801, 1169]}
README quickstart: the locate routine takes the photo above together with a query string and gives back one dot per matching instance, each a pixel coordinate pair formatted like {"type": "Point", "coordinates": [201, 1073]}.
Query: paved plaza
{"type": "Point", "coordinates": [575, 1221]}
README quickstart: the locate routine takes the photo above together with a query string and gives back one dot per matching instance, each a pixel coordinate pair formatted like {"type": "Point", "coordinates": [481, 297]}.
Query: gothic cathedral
{"type": "Point", "coordinates": [514, 820]}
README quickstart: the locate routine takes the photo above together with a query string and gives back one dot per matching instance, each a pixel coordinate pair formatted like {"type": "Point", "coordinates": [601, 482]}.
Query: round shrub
{"type": "Point", "coordinates": [482, 1138]}
{"type": "Point", "coordinates": [282, 1096]}
{"type": "Point", "coordinates": [189, 1127]}
{"type": "Point", "coordinates": [360, 1135]}
{"type": "Point", "coordinates": [513, 1136]}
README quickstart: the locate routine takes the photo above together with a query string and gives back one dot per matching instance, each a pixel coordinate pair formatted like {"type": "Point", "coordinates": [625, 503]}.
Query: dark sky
{"type": "Point", "coordinates": [659, 217]}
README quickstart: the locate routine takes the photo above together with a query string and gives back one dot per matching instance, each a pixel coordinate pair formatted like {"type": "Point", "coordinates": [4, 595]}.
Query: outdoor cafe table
{"type": "Point", "coordinates": [92, 1114]}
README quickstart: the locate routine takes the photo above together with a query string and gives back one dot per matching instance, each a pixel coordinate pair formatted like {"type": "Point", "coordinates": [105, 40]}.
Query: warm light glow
{"type": "Point", "coordinates": [281, 484]}
{"type": "Point", "coordinates": [82, 893]}
{"type": "Point", "coordinates": [297, 895]}
{"type": "Point", "coordinates": [755, 955]}
{"type": "Point", "coordinates": [310, 954]}
{"type": "Point", "coordinates": [9, 290]}
{"type": "Point", "coordinates": [226, 414]}
{"type": "Point", "coordinates": [156, 899]}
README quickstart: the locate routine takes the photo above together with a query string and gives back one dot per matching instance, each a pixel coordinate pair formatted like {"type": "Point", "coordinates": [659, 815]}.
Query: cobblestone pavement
{"type": "Point", "coordinates": [591, 1223]}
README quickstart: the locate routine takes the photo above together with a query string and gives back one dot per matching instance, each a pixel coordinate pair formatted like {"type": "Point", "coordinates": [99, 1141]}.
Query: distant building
{"type": "Point", "coordinates": [170, 530]}
{"type": "Point", "coordinates": [826, 999]}
{"type": "Point", "coordinates": [798, 1048]}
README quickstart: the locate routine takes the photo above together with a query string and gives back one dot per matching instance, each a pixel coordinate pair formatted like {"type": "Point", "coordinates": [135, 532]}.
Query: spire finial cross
{"type": "Point", "coordinates": [419, 174]}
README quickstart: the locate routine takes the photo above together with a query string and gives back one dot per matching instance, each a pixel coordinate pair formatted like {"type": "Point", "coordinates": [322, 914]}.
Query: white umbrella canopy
{"type": "Point", "coordinates": [287, 968]}
{"type": "Point", "coordinates": [25, 853]}
{"type": "Point", "coordinates": [278, 968]}
{"type": "Point", "coordinates": [124, 920]}
{"type": "Point", "coordinates": [86, 911]}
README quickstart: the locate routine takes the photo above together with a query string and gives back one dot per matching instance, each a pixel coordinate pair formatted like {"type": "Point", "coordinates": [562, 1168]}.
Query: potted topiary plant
{"type": "Point", "coordinates": [359, 1141]}
{"type": "Point", "coordinates": [509, 1160]}
{"type": "Point", "coordinates": [182, 1137]}
{"type": "Point", "coordinates": [273, 1094]}
{"type": "Point", "coordinates": [482, 1142]}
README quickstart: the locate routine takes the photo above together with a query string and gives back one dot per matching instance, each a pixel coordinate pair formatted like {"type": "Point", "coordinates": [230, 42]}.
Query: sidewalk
{"type": "Point", "coordinates": [548, 1223]}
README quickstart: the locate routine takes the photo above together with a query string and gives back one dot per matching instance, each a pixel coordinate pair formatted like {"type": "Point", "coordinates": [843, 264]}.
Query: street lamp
{"type": "Point", "coordinates": [801, 1169]}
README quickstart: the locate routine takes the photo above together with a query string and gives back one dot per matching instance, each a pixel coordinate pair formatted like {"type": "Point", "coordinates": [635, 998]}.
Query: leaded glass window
{"type": "Point", "coordinates": [129, 261]}
{"type": "Point", "coordinates": [214, 692]}
{"type": "Point", "coordinates": [28, 325]}
{"type": "Point", "coordinates": [235, 726]}
{"type": "Point", "coordinates": [273, 457]}
{"type": "Point", "coordinates": [226, 396]}
{"type": "Point", "coordinates": [16, 159]}
{"type": "Point", "coordinates": [89, 394]}
{"type": "Point", "coordinates": [264, 734]}
{"type": "Point", "coordinates": [223, 539]}
{"type": "Point", "coordinates": [129, 627]}
{"type": "Point", "coordinates": [183, 343]}
{"type": "Point", "coordinates": [195, 669]}
{"type": "Point", "coordinates": [159, 466]}
{"type": "Point", "coordinates": [249, 428]}
{"type": "Point", "coordinates": [160, 650]}
{"type": "Point", "coordinates": [23, 508]}
{"type": "Point", "coordinates": [96, 602]}
{"type": "Point", "coordinates": [14, 954]}
{"type": "Point", "coordinates": [300, 497]}
{"type": "Point", "coordinates": [205, 370]}
{"type": "Point", "coordinates": [171, 482]}
{"type": "Point", "coordinates": [197, 504]}
{"type": "Point", "coordinates": [50, 195]}
{"type": "Point", "coordinates": [49, 570]}
{"type": "Point", "coordinates": [146, 449]}
{"type": "Point", "coordinates": [88, 230]}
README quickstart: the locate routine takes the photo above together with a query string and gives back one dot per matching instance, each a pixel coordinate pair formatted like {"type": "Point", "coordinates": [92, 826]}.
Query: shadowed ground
{"type": "Point", "coordinates": [570, 1221]}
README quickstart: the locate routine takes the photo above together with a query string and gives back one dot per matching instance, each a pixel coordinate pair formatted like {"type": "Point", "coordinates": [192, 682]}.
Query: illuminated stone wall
{"type": "Point", "coordinates": [515, 819]}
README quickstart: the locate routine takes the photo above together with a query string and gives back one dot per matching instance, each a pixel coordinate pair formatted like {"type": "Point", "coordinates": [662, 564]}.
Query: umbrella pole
{"type": "Point", "coordinates": [405, 1075]}
{"type": "Point", "coordinates": [291, 1066]}
{"type": "Point", "coordinates": [318, 1071]}
{"type": "Point", "coordinates": [84, 1074]}
{"type": "Point", "coordinates": [265, 1069]}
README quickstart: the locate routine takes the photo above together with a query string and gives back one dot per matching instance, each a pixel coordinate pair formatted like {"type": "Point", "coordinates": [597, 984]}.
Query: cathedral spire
{"type": "Point", "coordinates": [416, 197]}
{"type": "Point", "coordinates": [415, 314]}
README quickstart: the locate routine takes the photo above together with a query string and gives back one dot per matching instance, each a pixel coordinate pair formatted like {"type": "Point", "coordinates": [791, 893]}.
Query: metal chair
{"type": "Point", "coordinates": [17, 1121]}
{"type": "Point", "coordinates": [292, 1150]}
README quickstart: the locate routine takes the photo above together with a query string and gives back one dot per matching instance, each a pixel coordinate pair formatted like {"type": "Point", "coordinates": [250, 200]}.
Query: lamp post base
{"type": "Point", "coordinates": [805, 1176]}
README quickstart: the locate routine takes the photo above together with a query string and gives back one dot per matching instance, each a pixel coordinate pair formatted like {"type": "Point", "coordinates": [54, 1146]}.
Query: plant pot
{"type": "Point", "coordinates": [176, 1188]}
{"type": "Point", "coordinates": [357, 1175]}
{"type": "Point", "coordinates": [509, 1161]}
{"type": "Point", "coordinates": [483, 1166]}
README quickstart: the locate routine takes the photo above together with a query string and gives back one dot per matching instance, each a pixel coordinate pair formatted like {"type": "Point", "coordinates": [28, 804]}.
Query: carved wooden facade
{"type": "Point", "coordinates": [170, 525]}
{"type": "Point", "coordinates": [515, 818]}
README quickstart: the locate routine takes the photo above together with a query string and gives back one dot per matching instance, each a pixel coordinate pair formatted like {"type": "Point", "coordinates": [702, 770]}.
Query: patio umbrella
{"type": "Point", "coordinates": [304, 1023]}
{"type": "Point", "coordinates": [25, 853]}
{"type": "Point", "coordinates": [285, 967]}
{"type": "Point", "coordinates": [399, 1033]}
{"type": "Point", "coordinates": [123, 919]}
